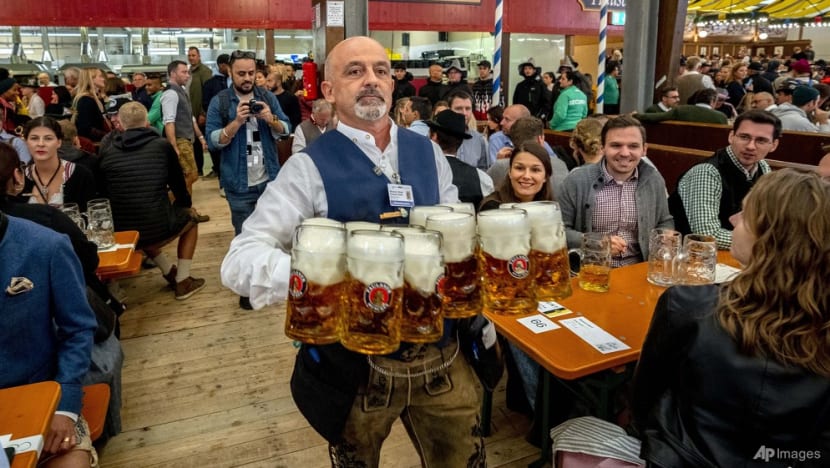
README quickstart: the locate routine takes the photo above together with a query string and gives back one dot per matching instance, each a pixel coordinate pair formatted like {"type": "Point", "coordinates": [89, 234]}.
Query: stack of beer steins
{"type": "Point", "coordinates": [674, 259]}
{"type": "Point", "coordinates": [98, 225]}
{"type": "Point", "coordinates": [371, 287]}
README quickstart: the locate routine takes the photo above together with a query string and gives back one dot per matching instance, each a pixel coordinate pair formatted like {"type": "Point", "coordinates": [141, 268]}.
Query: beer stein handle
{"type": "Point", "coordinates": [679, 265]}
{"type": "Point", "coordinates": [575, 257]}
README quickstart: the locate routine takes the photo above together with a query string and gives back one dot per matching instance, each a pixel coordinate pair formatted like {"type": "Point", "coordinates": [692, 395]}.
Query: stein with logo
{"type": "Point", "coordinates": [504, 262]}
{"type": "Point", "coordinates": [548, 251]}
{"type": "Point", "coordinates": [371, 323]}
{"type": "Point", "coordinates": [422, 320]}
{"type": "Point", "coordinates": [460, 287]}
{"type": "Point", "coordinates": [595, 262]}
{"type": "Point", "coordinates": [317, 284]}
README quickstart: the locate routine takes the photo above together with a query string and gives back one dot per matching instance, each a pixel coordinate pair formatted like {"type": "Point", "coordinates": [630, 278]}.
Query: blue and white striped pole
{"type": "Point", "coordinates": [603, 27]}
{"type": "Point", "coordinates": [497, 56]}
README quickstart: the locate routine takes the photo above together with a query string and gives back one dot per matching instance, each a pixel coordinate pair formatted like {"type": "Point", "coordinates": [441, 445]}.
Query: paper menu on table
{"type": "Point", "coordinates": [595, 336]}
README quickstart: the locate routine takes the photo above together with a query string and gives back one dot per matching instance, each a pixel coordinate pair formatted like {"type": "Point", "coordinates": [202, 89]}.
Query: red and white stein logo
{"type": "Point", "coordinates": [377, 296]}
{"type": "Point", "coordinates": [519, 266]}
{"type": "Point", "coordinates": [297, 284]}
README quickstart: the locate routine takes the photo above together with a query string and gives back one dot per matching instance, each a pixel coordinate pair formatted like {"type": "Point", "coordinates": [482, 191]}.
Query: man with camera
{"type": "Point", "coordinates": [244, 123]}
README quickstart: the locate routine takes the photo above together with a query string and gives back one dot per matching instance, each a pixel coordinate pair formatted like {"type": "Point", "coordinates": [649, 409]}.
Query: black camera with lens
{"type": "Point", "coordinates": [256, 106]}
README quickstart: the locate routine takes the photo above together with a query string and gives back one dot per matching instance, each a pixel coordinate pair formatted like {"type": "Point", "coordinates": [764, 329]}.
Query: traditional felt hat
{"type": "Point", "coordinates": [450, 122]}
{"type": "Point", "coordinates": [455, 65]}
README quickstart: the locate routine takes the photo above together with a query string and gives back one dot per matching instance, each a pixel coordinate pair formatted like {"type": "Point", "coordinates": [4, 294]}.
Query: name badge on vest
{"type": "Point", "coordinates": [401, 195]}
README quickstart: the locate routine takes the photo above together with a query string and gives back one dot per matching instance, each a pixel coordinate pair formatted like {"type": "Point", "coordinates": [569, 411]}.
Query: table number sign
{"type": "Point", "coordinates": [538, 323]}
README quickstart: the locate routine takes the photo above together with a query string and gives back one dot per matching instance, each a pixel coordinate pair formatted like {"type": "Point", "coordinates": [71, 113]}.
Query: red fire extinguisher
{"type": "Point", "coordinates": [309, 80]}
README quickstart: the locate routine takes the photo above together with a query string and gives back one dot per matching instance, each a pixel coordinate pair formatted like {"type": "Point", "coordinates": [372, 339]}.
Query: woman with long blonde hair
{"type": "Point", "coordinates": [727, 369]}
{"type": "Point", "coordinates": [88, 106]}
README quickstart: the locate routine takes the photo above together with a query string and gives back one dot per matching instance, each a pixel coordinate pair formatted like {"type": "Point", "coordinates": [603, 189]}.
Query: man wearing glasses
{"type": "Point", "coordinates": [712, 191]}
{"type": "Point", "coordinates": [669, 98]}
{"type": "Point", "coordinates": [244, 122]}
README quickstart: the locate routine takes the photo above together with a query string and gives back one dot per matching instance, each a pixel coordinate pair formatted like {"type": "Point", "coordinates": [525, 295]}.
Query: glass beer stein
{"type": "Point", "coordinates": [418, 215]}
{"type": "Point", "coordinates": [548, 251]}
{"type": "Point", "coordinates": [663, 248]}
{"type": "Point", "coordinates": [460, 288]}
{"type": "Point", "coordinates": [595, 262]}
{"type": "Point", "coordinates": [317, 284]}
{"type": "Point", "coordinates": [371, 323]}
{"type": "Point", "coordinates": [504, 262]}
{"type": "Point", "coordinates": [422, 320]}
{"type": "Point", "coordinates": [697, 261]}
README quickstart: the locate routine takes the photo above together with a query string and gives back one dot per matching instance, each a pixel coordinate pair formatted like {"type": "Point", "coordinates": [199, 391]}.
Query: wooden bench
{"type": "Point", "coordinates": [796, 147]}
{"type": "Point", "coordinates": [95, 403]}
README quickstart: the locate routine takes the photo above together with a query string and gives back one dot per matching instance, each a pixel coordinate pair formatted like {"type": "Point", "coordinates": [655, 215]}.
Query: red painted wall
{"type": "Point", "coordinates": [528, 16]}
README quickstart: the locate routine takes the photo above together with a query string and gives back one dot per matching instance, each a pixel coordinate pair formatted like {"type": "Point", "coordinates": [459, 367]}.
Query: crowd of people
{"type": "Point", "coordinates": [762, 337]}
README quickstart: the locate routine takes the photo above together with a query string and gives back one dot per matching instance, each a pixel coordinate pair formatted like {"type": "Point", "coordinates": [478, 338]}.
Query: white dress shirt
{"type": "Point", "coordinates": [258, 262]}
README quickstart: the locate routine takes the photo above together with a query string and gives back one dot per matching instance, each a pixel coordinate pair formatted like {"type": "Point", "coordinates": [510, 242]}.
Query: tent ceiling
{"type": "Point", "coordinates": [775, 9]}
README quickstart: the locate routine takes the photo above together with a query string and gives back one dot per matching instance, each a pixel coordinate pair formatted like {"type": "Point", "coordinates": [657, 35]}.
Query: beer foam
{"type": "Point", "coordinates": [461, 207]}
{"type": "Point", "coordinates": [322, 222]}
{"type": "Point", "coordinates": [504, 233]}
{"type": "Point", "coordinates": [364, 225]}
{"type": "Point", "coordinates": [369, 271]}
{"type": "Point", "coordinates": [323, 269]}
{"type": "Point", "coordinates": [548, 238]}
{"type": "Point", "coordinates": [422, 271]}
{"type": "Point", "coordinates": [541, 212]}
{"type": "Point", "coordinates": [419, 214]}
{"type": "Point", "coordinates": [376, 256]}
{"type": "Point", "coordinates": [320, 239]}
{"type": "Point", "coordinates": [459, 231]}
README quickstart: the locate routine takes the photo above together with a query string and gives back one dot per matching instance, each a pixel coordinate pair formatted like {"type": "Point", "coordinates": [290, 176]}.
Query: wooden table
{"type": "Point", "coordinates": [26, 411]}
{"type": "Point", "coordinates": [624, 311]}
{"type": "Point", "coordinates": [123, 262]}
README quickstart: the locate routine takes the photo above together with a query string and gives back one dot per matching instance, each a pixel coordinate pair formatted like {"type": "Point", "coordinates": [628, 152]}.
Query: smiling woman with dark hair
{"type": "Point", "coordinates": [727, 369]}
{"type": "Point", "coordinates": [528, 179]}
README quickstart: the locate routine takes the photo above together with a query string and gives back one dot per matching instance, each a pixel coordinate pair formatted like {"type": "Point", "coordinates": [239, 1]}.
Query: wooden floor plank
{"type": "Point", "coordinates": [206, 384]}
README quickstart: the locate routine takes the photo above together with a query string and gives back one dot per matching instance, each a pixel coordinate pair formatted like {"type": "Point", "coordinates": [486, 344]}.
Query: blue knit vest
{"type": "Point", "coordinates": [353, 190]}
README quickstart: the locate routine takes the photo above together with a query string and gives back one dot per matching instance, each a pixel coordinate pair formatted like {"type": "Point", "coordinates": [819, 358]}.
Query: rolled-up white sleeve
{"type": "Point", "coordinates": [258, 262]}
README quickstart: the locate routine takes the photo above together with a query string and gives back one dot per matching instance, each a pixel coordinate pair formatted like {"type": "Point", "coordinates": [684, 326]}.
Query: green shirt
{"type": "Point", "coordinates": [571, 106]}
{"type": "Point", "coordinates": [612, 91]}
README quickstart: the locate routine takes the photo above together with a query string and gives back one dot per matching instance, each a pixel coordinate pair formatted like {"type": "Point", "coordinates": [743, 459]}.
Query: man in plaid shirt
{"type": "Point", "coordinates": [621, 195]}
{"type": "Point", "coordinates": [711, 192]}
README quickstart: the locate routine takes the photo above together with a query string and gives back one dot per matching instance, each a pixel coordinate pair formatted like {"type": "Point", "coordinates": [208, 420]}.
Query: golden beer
{"type": "Point", "coordinates": [312, 310]}
{"type": "Point", "coordinates": [551, 275]}
{"type": "Point", "coordinates": [373, 324]}
{"type": "Point", "coordinates": [504, 262]}
{"type": "Point", "coordinates": [596, 278]}
{"type": "Point", "coordinates": [422, 320]}
{"type": "Point", "coordinates": [507, 285]}
{"type": "Point", "coordinates": [317, 282]}
{"type": "Point", "coordinates": [460, 289]}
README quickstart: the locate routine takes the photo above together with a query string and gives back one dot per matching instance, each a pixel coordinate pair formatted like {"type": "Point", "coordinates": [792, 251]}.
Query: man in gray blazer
{"type": "Point", "coordinates": [621, 195]}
